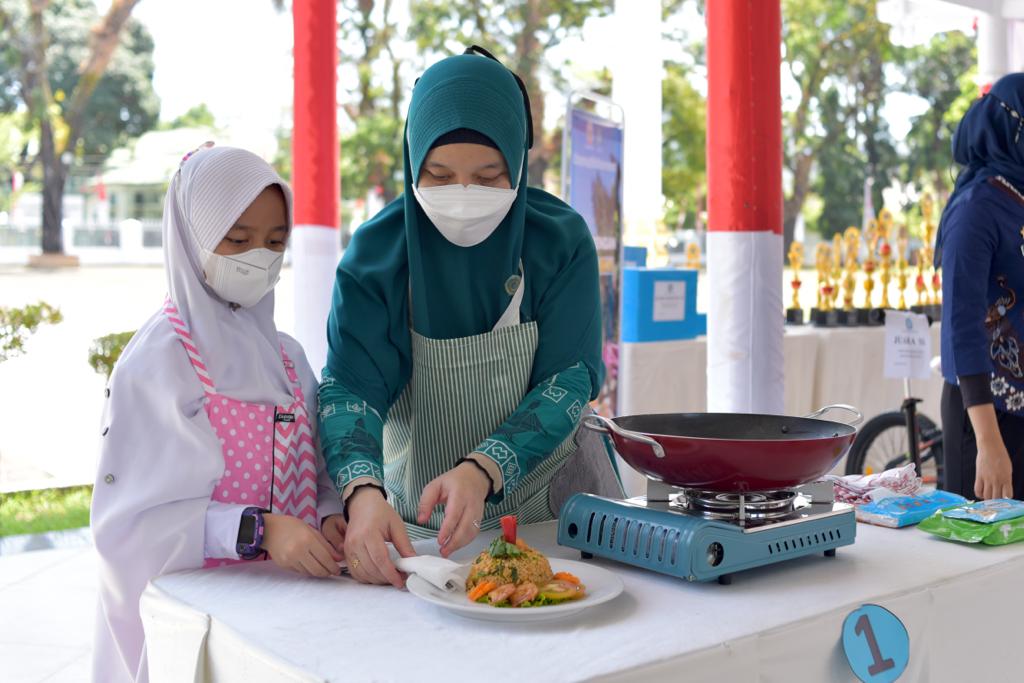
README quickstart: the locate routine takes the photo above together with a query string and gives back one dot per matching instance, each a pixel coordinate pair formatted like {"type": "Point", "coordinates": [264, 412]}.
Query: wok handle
{"type": "Point", "coordinates": [840, 406]}
{"type": "Point", "coordinates": [604, 425]}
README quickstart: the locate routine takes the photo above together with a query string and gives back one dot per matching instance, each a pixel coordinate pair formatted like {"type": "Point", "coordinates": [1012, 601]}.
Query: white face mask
{"type": "Point", "coordinates": [465, 214]}
{"type": "Point", "coordinates": [245, 278]}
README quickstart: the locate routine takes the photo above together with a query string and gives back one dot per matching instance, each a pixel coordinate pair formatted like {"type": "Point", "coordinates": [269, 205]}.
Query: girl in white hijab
{"type": "Point", "coordinates": [209, 454]}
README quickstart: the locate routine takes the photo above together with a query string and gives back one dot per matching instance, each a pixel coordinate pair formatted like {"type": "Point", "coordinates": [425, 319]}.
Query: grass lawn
{"type": "Point", "coordinates": [33, 512]}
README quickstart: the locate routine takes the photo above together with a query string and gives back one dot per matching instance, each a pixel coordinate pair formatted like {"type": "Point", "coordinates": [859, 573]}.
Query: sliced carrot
{"type": "Point", "coordinates": [566, 576]}
{"type": "Point", "coordinates": [481, 589]}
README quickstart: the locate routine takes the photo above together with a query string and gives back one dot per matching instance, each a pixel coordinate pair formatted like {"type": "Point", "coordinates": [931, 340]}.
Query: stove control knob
{"type": "Point", "coordinates": [715, 554]}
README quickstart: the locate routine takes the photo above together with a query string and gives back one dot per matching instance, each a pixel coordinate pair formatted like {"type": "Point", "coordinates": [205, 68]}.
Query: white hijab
{"type": "Point", "coordinates": [205, 198]}
{"type": "Point", "coordinates": [160, 457]}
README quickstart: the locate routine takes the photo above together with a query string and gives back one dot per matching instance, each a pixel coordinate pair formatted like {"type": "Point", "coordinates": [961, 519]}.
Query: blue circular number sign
{"type": "Point", "coordinates": [876, 643]}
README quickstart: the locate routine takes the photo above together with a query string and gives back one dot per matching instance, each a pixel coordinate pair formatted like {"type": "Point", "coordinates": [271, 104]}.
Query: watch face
{"type": "Point", "coordinates": [247, 530]}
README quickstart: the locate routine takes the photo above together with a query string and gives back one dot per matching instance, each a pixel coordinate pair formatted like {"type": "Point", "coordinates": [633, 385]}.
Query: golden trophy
{"type": "Point", "coordinates": [836, 276]}
{"type": "Point", "coordinates": [901, 266]}
{"type": "Point", "coordinates": [870, 315]}
{"type": "Point", "coordinates": [852, 246]}
{"type": "Point", "coordinates": [795, 313]}
{"type": "Point", "coordinates": [919, 282]}
{"type": "Point", "coordinates": [928, 288]}
{"type": "Point", "coordinates": [824, 315]}
{"type": "Point", "coordinates": [885, 223]}
{"type": "Point", "coordinates": [693, 256]}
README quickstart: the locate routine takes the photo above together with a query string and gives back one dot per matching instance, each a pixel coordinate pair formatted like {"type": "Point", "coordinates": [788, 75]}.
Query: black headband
{"type": "Point", "coordinates": [464, 135]}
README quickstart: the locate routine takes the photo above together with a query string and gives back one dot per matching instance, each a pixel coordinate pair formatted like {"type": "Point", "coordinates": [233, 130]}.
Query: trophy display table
{"type": "Point", "coordinates": [822, 366]}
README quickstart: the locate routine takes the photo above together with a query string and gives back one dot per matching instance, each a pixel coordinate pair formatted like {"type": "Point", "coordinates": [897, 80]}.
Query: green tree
{"type": "Point", "coordinates": [18, 324]}
{"type": "Point", "coordinates": [840, 45]}
{"type": "Point", "coordinates": [60, 62]}
{"type": "Point", "coordinates": [517, 33]}
{"type": "Point", "coordinates": [841, 170]}
{"type": "Point", "coordinates": [942, 73]}
{"type": "Point", "coordinates": [371, 153]}
{"type": "Point", "coordinates": [14, 137]}
{"type": "Point", "coordinates": [683, 168]}
{"type": "Point", "coordinates": [198, 116]}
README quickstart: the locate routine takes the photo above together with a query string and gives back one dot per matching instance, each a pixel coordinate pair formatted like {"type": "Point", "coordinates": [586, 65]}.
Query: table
{"type": "Point", "coordinates": [778, 623]}
{"type": "Point", "coordinates": [821, 366]}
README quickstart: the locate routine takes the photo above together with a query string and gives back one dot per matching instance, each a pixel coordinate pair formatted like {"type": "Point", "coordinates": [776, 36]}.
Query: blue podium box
{"type": "Point", "coordinates": [634, 257]}
{"type": "Point", "coordinates": [660, 304]}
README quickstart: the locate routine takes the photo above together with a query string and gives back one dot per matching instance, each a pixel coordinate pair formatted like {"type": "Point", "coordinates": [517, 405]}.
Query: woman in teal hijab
{"type": "Point", "coordinates": [465, 334]}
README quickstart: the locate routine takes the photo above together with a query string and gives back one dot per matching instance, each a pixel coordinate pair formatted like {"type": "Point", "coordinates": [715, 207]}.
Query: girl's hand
{"type": "Point", "coordinates": [295, 545]}
{"type": "Point", "coordinates": [463, 491]}
{"type": "Point", "coordinates": [372, 523]}
{"type": "Point", "coordinates": [333, 528]}
{"type": "Point", "coordinates": [994, 478]}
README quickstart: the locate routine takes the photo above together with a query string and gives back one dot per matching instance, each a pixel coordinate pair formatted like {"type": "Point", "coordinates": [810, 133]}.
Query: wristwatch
{"type": "Point", "coordinates": [250, 534]}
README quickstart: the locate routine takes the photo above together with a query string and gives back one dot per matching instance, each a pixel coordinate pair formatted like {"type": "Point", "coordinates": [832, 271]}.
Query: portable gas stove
{"type": "Point", "coordinates": [704, 535]}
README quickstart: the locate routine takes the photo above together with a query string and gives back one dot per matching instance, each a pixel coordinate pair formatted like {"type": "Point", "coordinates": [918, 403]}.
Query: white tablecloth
{"type": "Point", "coordinates": [782, 623]}
{"type": "Point", "coordinates": [822, 366]}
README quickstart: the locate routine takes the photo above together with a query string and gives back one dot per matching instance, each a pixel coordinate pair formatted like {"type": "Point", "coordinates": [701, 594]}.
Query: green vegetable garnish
{"type": "Point", "coordinates": [500, 548]}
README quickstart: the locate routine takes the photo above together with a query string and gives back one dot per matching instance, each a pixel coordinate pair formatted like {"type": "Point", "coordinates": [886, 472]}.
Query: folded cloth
{"type": "Point", "coordinates": [864, 488]}
{"type": "Point", "coordinates": [445, 574]}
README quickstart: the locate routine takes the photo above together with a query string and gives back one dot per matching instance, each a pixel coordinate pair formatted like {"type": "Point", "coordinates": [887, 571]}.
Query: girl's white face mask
{"type": "Point", "coordinates": [245, 278]}
{"type": "Point", "coordinates": [465, 214]}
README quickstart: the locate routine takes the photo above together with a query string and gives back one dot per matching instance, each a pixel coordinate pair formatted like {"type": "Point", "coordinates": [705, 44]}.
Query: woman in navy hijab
{"type": "Point", "coordinates": [981, 249]}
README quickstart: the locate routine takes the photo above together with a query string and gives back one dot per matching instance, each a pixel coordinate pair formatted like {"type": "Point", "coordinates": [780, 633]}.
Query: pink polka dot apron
{"type": "Point", "coordinates": [269, 455]}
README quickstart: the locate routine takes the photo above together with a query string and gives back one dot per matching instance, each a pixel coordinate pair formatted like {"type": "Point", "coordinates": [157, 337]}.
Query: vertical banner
{"type": "Point", "coordinates": [592, 172]}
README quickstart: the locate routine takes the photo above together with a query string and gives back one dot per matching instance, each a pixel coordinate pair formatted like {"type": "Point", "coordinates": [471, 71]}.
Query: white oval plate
{"type": "Point", "coordinates": [602, 586]}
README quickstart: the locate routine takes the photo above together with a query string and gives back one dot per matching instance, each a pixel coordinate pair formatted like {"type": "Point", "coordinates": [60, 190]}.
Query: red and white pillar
{"type": "Point", "coordinates": [315, 242]}
{"type": "Point", "coordinates": [744, 160]}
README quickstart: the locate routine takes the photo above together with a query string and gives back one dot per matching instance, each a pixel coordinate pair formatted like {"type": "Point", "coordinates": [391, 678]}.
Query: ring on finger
{"type": "Point", "coordinates": [354, 563]}
{"type": "Point", "coordinates": [476, 523]}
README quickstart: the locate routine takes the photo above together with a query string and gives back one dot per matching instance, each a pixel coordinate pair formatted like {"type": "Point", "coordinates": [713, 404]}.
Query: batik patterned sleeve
{"type": "Point", "coordinates": [351, 434]}
{"type": "Point", "coordinates": [544, 419]}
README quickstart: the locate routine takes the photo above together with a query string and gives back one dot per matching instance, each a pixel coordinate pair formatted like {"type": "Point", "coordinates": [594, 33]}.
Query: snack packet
{"type": "Point", "coordinates": [988, 511]}
{"type": "Point", "coordinates": [967, 531]}
{"type": "Point", "coordinates": [900, 511]}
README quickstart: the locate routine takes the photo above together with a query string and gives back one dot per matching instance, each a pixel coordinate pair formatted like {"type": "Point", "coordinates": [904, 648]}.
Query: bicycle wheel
{"type": "Point", "coordinates": [882, 444]}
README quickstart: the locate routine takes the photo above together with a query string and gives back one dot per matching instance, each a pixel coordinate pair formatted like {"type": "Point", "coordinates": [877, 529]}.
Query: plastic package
{"type": "Point", "coordinates": [967, 531]}
{"type": "Point", "coordinates": [988, 511]}
{"type": "Point", "coordinates": [900, 511]}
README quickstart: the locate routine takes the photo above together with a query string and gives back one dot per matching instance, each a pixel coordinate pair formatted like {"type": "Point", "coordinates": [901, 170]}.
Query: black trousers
{"type": "Point", "coordinates": [961, 449]}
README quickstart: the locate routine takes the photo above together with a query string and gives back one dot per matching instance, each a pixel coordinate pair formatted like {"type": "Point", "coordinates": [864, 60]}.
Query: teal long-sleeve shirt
{"type": "Point", "coordinates": [352, 432]}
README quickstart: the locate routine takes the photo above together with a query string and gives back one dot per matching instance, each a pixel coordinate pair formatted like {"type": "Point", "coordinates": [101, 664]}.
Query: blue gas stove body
{"type": "Point", "coordinates": [659, 537]}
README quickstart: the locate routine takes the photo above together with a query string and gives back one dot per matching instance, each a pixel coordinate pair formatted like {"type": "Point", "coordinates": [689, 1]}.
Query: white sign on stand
{"type": "Point", "coordinates": [908, 345]}
{"type": "Point", "coordinates": [669, 301]}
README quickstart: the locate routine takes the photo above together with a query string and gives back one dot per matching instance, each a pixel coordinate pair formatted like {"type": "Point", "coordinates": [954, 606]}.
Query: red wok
{"type": "Point", "coordinates": [729, 451]}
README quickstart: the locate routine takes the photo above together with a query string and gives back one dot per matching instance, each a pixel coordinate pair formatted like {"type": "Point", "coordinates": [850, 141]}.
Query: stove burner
{"type": "Point", "coordinates": [752, 507]}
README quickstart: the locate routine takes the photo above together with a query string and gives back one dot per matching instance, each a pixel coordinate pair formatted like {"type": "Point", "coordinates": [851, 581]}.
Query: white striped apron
{"type": "Point", "coordinates": [460, 392]}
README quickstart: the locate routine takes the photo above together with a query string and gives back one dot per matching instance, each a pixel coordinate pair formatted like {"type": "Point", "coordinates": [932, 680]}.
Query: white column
{"type": "Point", "coordinates": [636, 85]}
{"type": "Point", "coordinates": [315, 253]}
{"type": "Point", "coordinates": [745, 322]}
{"type": "Point", "coordinates": [993, 48]}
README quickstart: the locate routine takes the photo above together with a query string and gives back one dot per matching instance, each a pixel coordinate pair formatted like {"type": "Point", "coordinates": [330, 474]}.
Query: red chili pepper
{"type": "Point", "coordinates": [508, 528]}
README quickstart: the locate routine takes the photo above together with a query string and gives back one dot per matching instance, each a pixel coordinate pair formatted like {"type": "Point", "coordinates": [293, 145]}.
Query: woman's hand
{"type": "Point", "coordinates": [295, 545]}
{"type": "Point", "coordinates": [463, 491]}
{"type": "Point", "coordinates": [994, 477]}
{"type": "Point", "coordinates": [993, 469]}
{"type": "Point", "coordinates": [333, 528]}
{"type": "Point", "coordinates": [372, 522]}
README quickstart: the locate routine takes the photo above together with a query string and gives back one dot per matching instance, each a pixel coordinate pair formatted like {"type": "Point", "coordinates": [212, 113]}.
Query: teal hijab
{"type": "Point", "coordinates": [456, 291]}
